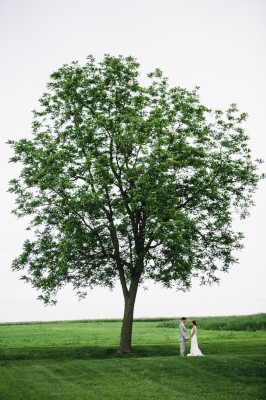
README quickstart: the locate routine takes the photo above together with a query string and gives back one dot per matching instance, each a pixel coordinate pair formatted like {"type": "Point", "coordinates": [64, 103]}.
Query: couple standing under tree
{"type": "Point", "coordinates": [194, 349]}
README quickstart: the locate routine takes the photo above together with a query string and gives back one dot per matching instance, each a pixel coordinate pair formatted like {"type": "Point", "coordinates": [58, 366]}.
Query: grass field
{"type": "Point", "coordinates": [78, 360]}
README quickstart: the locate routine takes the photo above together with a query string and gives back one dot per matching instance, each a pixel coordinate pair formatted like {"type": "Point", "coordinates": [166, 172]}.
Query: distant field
{"type": "Point", "coordinates": [233, 323]}
{"type": "Point", "coordinates": [78, 360]}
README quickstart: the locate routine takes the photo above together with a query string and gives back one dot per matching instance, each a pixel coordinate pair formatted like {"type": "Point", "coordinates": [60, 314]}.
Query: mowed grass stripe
{"type": "Point", "coordinates": [145, 378]}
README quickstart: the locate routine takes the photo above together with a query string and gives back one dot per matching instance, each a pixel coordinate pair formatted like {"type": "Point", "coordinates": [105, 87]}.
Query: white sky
{"type": "Point", "coordinates": [218, 45]}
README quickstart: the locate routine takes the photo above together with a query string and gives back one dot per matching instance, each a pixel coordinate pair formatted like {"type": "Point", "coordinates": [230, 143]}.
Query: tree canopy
{"type": "Point", "coordinates": [129, 182]}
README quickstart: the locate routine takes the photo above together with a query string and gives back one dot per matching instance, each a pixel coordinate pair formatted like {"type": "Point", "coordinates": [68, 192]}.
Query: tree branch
{"type": "Point", "coordinates": [199, 190]}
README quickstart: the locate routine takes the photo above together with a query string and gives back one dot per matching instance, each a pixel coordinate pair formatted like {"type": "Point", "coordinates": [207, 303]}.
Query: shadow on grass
{"type": "Point", "coordinates": [98, 352]}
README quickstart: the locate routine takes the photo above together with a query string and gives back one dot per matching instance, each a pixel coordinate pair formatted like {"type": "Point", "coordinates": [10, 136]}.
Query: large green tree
{"type": "Point", "coordinates": [129, 182]}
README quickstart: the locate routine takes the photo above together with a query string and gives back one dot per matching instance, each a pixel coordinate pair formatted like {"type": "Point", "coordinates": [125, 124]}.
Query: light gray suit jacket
{"type": "Point", "coordinates": [182, 332]}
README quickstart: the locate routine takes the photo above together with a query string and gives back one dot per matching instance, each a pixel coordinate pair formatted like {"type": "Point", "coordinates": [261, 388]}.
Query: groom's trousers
{"type": "Point", "coordinates": [182, 347]}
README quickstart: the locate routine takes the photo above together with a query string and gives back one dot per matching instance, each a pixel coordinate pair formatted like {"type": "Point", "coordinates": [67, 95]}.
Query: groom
{"type": "Point", "coordinates": [182, 336]}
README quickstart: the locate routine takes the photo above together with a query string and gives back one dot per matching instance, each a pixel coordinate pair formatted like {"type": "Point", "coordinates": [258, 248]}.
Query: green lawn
{"type": "Point", "coordinates": [77, 360]}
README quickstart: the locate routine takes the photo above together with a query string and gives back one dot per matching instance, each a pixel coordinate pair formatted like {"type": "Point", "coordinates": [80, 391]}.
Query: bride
{"type": "Point", "coordinates": [194, 349]}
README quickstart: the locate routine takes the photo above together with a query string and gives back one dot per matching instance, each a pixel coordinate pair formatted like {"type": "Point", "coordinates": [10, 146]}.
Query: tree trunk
{"type": "Point", "coordinates": [126, 331]}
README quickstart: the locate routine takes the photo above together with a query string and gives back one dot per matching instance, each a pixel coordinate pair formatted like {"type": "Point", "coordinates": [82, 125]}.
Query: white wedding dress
{"type": "Point", "coordinates": [194, 348]}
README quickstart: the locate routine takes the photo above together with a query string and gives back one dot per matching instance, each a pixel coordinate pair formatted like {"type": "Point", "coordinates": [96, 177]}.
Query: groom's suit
{"type": "Point", "coordinates": [182, 338]}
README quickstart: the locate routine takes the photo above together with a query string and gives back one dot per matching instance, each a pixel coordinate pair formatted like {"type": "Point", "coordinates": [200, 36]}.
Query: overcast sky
{"type": "Point", "coordinates": [218, 45]}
